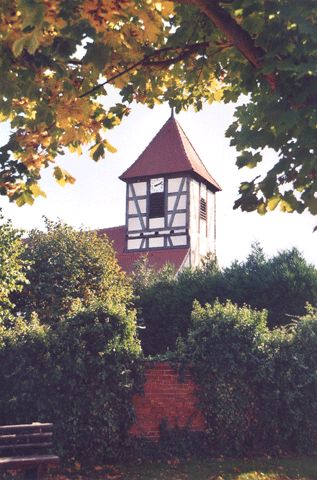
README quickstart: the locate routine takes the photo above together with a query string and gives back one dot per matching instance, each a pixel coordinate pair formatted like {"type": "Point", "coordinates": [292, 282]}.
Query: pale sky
{"type": "Point", "coordinates": [97, 199]}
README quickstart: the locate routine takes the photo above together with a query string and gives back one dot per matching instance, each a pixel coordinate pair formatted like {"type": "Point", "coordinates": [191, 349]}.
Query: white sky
{"type": "Point", "coordinates": [97, 199]}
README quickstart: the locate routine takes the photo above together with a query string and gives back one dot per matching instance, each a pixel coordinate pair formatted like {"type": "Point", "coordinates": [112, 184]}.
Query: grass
{"type": "Point", "coordinates": [294, 468]}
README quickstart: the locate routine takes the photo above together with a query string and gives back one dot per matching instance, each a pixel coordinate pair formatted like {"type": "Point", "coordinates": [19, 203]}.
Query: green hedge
{"type": "Point", "coordinates": [80, 375]}
{"type": "Point", "coordinates": [282, 285]}
{"type": "Point", "coordinates": [258, 388]}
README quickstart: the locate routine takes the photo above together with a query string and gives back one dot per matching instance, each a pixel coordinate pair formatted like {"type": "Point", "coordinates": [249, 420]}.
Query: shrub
{"type": "Point", "coordinates": [12, 267]}
{"type": "Point", "coordinates": [288, 387]}
{"type": "Point", "coordinates": [81, 375]}
{"type": "Point", "coordinates": [224, 349]}
{"type": "Point", "coordinates": [282, 285]}
{"type": "Point", "coordinates": [70, 268]}
{"type": "Point", "coordinates": [165, 299]}
{"type": "Point", "coordinates": [258, 388]}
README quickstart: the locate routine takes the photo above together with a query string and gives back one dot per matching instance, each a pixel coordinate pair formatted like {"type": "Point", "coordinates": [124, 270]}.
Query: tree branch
{"type": "Point", "coordinates": [234, 33]}
{"type": "Point", "coordinates": [186, 51]}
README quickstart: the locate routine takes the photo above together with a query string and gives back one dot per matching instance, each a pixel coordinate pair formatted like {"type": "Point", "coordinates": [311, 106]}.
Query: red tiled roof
{"type": "Point", "coordinates": [169, 152]}
{"type": "Point", "coordinates": [157, 258]}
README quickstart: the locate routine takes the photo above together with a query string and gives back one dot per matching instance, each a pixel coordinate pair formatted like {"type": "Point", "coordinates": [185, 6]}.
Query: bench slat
{"type": "Point", "coordinates": [27, 461]}
{"type": "Point", "coordinates": [26, 427]}
{"type": "Point", "coordinates": [26, 445]}
{"type": "Point", "coordinates": [22, 444]}
{"type": "Point", "coordinates": [24, 437]}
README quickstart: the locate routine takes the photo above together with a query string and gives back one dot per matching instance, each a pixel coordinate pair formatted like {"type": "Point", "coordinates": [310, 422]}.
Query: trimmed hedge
{"type": "Point", "coordinates": [258, 389]}
{"type": "Point", "coordinates": [80, 375]}
{"type": "Point", "coordinates": [282, 285]}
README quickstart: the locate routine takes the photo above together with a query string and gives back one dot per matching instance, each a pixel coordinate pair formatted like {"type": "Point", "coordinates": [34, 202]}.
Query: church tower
{"type": "Point", "coordinates": [170, 200]}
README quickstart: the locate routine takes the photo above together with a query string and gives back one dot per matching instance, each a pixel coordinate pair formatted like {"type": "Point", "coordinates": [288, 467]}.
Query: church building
{"type": "Point", "coordinates": [170, 205]}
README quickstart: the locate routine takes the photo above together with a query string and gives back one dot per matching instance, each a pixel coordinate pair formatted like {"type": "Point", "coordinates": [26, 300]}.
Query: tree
{"type": "Point", "coordinates": [12, 266]}
{"type": "Point", "coordinates": [57, 57]}
{"type": "Point", "coordinates": [70, 268]}
{"type": "Point", "coordinates": [164, 301]}
{"type": "Point", "coordinates": [281, 284]}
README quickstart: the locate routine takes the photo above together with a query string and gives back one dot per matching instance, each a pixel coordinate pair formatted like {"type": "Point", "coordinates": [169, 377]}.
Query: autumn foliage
{"type": "Point", "coordinates": [57, 58]}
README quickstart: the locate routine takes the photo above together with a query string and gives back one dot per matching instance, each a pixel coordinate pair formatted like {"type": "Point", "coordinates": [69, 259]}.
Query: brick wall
{"type": "Point", "coordinates": [166, 399]}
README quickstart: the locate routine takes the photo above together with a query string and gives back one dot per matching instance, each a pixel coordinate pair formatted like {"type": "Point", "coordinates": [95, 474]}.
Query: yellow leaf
{"type": "Point", "coordinates": [273, 202]}
{"type": "Point", "coordinates": [62, 176]}
{"type": "Point", "coordinates": [75, 149]}
{"type": "Point", "coordinates": [109, 147]}
{"type": "Point", "coordinates": [36, 190]}
{"type": "Point", "coordinates": [286, 207]}
{"type": "Point", "coordinates": [261, 209]}
{"type": "Point", "coordinates": [167, 7]}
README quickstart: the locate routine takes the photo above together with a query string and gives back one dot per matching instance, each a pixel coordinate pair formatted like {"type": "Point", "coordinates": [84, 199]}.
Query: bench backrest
{"type": "Point", "coordinates": [20, 440]}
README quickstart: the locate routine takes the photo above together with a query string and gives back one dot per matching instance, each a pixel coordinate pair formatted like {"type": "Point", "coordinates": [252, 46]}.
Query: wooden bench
{"type": "Point", "coordinates": [27, 448]}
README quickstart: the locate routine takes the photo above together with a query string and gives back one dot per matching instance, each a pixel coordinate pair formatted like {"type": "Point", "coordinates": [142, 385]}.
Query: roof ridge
{"type": "Point", "coordinates": [192, 146]}
{"type": "Point", "coordinates": [182, 143]}
{"type": "Point", "coordinates": [132, 164]}
{"type": "Point", "coordinates": [169, 152]}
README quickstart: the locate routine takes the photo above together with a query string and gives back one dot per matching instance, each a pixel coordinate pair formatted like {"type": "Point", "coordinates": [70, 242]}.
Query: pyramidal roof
{"type": "Point", "coordinates": [169, 152]}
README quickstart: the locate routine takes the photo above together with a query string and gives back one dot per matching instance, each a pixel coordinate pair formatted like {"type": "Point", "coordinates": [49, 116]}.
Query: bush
{"type": "Point", "coordinates": [224, 349]}
{"type": "Point", "coordinates": [288, 387]}
{"type": "Point", "coordinates": [70, 268]}
{"type": "Point", "coordinates": [80, 375]}
{"type": "Point", "coordinates": [165, 299]}
{"type": "Point", "coordinates": [12, 267]}
{"type": "Point", "coordinates": [282, 285]}
{"type": "Point", "coordinates": [258, 388]}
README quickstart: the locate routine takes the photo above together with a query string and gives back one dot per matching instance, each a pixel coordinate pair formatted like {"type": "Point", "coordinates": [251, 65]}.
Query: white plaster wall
{"type": "Point", "coordinates": [173, 184]}
{"type": "Point", "coordinates": [156, 222]}
{"type": "Point", "coordinates": [211, 221]}
{"type": "Point", "coordinates": [201, 232]}
{"type": "Point", "coordinates": [179, 220]}
{"type": "Point", "coordinates": [156, 242]}
{"type": "Point", "coordinates": [140, 188]}
{"type": "Point", "coordinates": [194, 222]}
{"type": "Point", "coordinates": [135, 224]}
{"type": "Point", "coordinates": [181, 202]}
{"type": "Point", "coordinates": [132, 206]}
{"type": "Point", "coordinates": [133, 244]}
{"type": "Point", "coordinates": [179, 240]}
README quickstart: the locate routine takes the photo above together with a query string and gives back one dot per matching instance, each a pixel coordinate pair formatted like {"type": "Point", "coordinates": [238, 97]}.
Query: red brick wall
{"type": "Point", "coordinates": [166, 399]}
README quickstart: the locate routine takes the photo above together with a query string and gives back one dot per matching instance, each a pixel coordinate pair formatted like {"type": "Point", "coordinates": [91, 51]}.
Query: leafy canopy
{"type": "Point", "coordinates": [12, 267]}
{"type": "Point", "coordinates": [70, 269]}
{"type": "Point", "coordinates": [57, 56]}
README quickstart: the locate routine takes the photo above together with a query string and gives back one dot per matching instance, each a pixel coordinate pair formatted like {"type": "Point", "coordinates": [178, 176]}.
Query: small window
{"type": "Point", "coordinates": [203, 209]}
{"type": "Point", "coordinates": [157, 205]}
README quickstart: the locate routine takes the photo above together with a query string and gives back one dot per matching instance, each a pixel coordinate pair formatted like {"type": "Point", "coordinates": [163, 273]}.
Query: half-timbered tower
{"type": "Point", "coordinates": [170, 204]}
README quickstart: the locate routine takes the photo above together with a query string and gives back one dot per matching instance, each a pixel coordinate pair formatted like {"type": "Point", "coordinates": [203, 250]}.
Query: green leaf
{"type": "Point", "coordinates": [24, 198]}
{"type": "Point", "coordinates": [97, 151]}
{"type": "Point", "coordinates": [312, 205]}
{"type": "Point", "coordinates": [98, 54]}
{"type": "Point", "coordinates": [18, 46]}
{"type": "Point", "coordinates": [32, 13]}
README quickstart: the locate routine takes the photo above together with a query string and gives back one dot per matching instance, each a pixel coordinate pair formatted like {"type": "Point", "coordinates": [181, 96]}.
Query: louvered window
{"type": "Point", "coordinates": [157, 205]}
{"type": "Point", "coordinates": [203, 209]}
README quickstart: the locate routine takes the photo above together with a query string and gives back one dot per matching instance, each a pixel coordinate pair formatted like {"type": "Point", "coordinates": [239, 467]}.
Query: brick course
{"type": "Point", "coordinates": [166, 399]}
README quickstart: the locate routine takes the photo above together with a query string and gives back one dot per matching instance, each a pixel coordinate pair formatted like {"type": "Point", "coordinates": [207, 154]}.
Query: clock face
{"type": "Point", "coordinates": [157, 185]}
